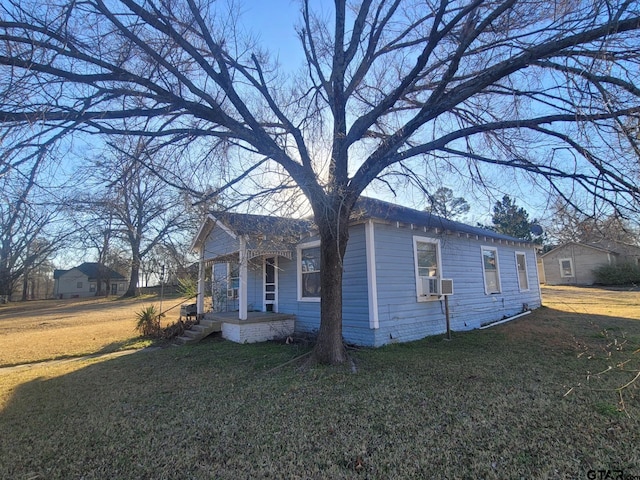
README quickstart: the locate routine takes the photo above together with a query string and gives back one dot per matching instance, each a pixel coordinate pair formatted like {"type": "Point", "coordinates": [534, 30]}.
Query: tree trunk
{"type": "Point", "coordinates": [25, 285]}
{"type": "Point", "coordinates": [6, 283]}
{"type": "Point", "coordinates": [334, 234]}
{"type": "Point", "coordinates": [132, 291]}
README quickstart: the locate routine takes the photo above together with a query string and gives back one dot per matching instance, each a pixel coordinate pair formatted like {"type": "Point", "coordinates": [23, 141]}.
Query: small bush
{"type": "Point", "coordinates": [621, 274]}
{"type": "Point", "coordinates": [149, 322]}
{"type": "Point", "coordinates": [188, 287]}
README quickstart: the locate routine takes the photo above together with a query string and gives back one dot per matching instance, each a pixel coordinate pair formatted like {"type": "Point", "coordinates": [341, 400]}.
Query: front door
{"type": "Point", "coordinates": [270, 284]}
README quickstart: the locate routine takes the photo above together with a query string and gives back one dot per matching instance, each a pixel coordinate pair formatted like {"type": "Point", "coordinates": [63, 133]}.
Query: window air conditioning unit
{"type": "Point", "coordinates": [446, 286]}
{"type": "Point", "coordinates": [430, 287]}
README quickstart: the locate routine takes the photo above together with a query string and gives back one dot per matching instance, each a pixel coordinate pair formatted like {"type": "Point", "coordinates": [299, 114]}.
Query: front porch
{"type": "Point", "coordinates": [258, 326]}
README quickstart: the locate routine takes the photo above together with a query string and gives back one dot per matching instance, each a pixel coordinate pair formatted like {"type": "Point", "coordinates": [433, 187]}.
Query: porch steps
{"type": "Point", "coordinates": [199, 331]}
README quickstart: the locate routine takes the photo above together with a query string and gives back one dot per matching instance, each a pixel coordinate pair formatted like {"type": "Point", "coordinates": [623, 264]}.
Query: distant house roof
{"type": "Point", "coordinates": [606, 246]}
{"type": "Point", "coordinates": [91, 270]}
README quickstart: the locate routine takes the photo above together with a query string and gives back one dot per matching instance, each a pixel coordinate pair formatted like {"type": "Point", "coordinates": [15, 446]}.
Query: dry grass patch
{"type": "Point", "coordinates": [50, 329]}
{"type": "Point", "coordinates": [621, 303]}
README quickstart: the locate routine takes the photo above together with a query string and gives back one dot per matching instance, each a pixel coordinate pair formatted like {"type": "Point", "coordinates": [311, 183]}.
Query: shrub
{"type": "Point", "coordinates": [620, 274]}
{"type": "Point", "coordinates": [149, 322]}
{"type": "Point", "coordinates": [188, 287]}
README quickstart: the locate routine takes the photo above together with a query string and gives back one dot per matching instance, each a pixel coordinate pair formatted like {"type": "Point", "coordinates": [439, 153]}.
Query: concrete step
{"type": "Point", "coordinates": [198, 332]}
{"type": "Point", "coordinates": [192, 333]}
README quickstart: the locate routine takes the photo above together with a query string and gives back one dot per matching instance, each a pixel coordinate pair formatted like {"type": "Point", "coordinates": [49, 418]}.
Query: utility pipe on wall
{"type": "Point", "coordinates": [506, 319]}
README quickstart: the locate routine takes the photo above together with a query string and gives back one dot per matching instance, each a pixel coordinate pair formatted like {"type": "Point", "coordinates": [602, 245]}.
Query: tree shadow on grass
{"type": "Point", "coordinates": [488, 404]}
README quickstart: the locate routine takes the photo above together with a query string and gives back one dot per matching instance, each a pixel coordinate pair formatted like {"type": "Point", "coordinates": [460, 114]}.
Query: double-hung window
{"type": "Point", "coordinates": [309, 272]}
{"type": "Point", "coordinates": [491, 270]}
{"type": "Point", "coordinates": [426, 254]}
{"type": "Point", "coordinates": [521, 265]}
{"type": "Point", "coordinates": [566, 267]}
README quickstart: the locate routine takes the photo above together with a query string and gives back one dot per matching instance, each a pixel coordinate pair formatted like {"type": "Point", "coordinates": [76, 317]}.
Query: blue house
{"type": "Point", "coordinates": [399, 266]}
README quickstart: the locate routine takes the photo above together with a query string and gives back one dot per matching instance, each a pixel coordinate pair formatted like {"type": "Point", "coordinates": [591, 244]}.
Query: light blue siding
{"type": "Point", "coordinates": [219, 243]}
{"type": "Point", "coordinates": [355, 308]}
{"type": "Point", "coordinates": [403, 318]}
{"type": "Point", "coordinates": [355, 297]}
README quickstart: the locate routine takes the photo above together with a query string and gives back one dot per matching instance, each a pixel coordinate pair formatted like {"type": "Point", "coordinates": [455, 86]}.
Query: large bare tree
{"type": "Point", "coordinates": [143, 211]}
{"type": "Point", "coordinates": [385, 85]}
{"type": "Point", "coordinates": [31, 228]}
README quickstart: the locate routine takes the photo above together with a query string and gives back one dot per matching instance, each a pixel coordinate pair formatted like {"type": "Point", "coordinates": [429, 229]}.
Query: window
{"type": "Point", "coordinates": [566, 267]}
{"type": "Point", "coordinates": [491, 270]}
{"type": "Point", "coordinates": [233, 280]}
{"type": "Point", "coordinates": [92, 287]}
{"type": "Point", "coordinates": [121, 287]}
{"type": "Point", "coordinates": [426, 254]}
{"type": "Point", "coordinates": [79, 285]}
{"type": "Point", "coordinates": [521, 265]}
{"type": "Point", "coordinates": [309, 272]}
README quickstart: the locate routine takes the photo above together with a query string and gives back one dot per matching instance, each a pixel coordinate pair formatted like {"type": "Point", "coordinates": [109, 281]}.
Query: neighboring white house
{"type": "Point", "coordinates": [399, 265]}
{"type": "Point", "coordinates": [82, 281]}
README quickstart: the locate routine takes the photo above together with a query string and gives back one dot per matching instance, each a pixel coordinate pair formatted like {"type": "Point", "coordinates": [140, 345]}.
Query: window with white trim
{"type": "Point", "coordinates": [309, 272]}
{"type": "Point", "coordinates": [491, 270]}
{"type": "Point", "coordinates": [521, 265]}
{"type": "Point", "coordinates": [426, 254]}
{"type": "Point", "coordinates": [566, 267]}
{"type": "Point", "coordinates": [79, 285]}
{"type": "Point", "coordinates": [92, 287]}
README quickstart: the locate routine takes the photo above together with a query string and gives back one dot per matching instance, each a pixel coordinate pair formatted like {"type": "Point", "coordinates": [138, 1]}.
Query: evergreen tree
{"type": "Point", "coordinates": [444, 204]}
{"type": "Point", "coordinates": [512, 220]}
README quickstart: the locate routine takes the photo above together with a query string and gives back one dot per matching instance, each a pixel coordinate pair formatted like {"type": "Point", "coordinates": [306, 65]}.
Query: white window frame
{"type": "Point", "coordinates": [418, 279]}
{"type": "Point", "coordinates": [299, 249]}
{"type": "Point", "coordinates": [573, 272]}
{"type": "Point", "coordinates": [92, 287]}
{"type": "Point", "coordinates": [484, 248]}
{"type": "Point", "coordinates": [526, 271]}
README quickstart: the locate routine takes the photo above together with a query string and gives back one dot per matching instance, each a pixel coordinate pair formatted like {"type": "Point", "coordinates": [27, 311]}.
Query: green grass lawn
{"type": "Point", "coordinates": [522, 400]}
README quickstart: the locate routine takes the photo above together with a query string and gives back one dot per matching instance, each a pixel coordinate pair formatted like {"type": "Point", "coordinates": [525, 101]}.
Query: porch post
{"type": "Point", "coordinates": [200, 297]}
{"type": "Point", "coordinates": [242, 291]}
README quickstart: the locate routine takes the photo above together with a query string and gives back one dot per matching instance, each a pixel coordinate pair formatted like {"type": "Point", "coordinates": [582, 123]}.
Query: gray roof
{"type": "Point", "coordinates": [248, 224]}
{"type": "Point", "coordinates": [365, 208]}
{"type": "Point", "coordinates": [91, 270]}
{"type": "Point", "coordinates": [373, 208]}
